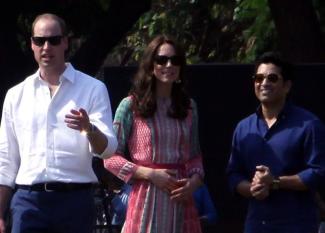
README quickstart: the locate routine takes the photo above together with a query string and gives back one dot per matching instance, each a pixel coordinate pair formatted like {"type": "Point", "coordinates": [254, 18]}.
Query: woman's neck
{"type": "Point", "coordinates": [163, 90]}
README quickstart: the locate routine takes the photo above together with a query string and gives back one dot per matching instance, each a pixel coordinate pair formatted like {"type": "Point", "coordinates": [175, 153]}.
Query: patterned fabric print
{"type": "Point", "coordinates": [168, 136]}
{"type": "Point", "coordinates": [140, 142]}
{"type": "Point", "coordinates": [153, 141]}
{"type": "Point", "coordinates": [117, 164]}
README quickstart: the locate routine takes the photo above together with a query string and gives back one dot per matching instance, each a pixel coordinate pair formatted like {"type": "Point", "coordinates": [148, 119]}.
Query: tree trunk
{"type": "Point", "coordinates": [298, 29]}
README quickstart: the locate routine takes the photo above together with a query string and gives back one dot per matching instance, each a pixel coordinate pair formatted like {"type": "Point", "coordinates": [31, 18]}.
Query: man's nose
{"type": "Point", "coordinates": [265, 81]}
{"type": "Point", "coordinates": [46, 44]}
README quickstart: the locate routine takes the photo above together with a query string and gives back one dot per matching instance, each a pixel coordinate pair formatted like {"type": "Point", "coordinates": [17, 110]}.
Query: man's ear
{"type": "Point", "coordinates": [288, 85]}
{"type": "Point", "coordinates": [65, 40]}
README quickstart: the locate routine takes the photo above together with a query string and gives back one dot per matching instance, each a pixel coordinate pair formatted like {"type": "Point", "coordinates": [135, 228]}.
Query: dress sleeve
{"type": "Point", "coordinates": [194, 165]}
{"type": "Point", "coordinates": [118, 164]}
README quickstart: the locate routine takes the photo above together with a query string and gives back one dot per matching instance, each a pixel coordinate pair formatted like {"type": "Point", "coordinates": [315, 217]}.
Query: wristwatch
{"type": "Point", "coordinates": [275, 185]}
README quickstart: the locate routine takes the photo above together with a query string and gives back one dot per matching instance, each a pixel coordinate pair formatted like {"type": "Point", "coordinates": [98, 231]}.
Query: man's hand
{"type": "Point", "coordinates": [263, 175]}
{"type": "Point", "coordinates": [2, 226]}
{"type": "Point", "coordinates": [261, 183]}
{"type": "Point", "coordinates": [78, 120]}
{"type": "Point", "coordinates": [5, 196]}
{"type": "Point", "coordinates": [259, 191]}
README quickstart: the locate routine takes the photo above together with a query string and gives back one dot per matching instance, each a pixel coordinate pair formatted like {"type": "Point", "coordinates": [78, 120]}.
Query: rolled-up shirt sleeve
{"type": "Point", "coordinates": [314, 147]}
{"type": "Point", "coordinates": [9, 150]}
{"type": "Point", "coordinates": [101, 116]}
{"type": "Point", "coordinates": [235, 169]}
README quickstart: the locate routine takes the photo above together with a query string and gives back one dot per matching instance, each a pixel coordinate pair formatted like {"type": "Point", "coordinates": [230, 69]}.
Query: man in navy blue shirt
{"type": "Point", "coordinates": [278, 156]}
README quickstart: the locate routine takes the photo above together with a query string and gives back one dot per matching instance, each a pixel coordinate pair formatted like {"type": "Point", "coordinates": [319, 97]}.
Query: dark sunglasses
{"type": "Point", "coordinates": [162, 60]}
{"type": "Point", "coordinates": [40, 40]}
{"type": "Point", "coordinates": [259, 78]}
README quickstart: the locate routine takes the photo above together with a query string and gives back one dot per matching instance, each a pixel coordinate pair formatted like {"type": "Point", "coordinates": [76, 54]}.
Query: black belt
{"type": "Point", "coordinates": [56, 187]}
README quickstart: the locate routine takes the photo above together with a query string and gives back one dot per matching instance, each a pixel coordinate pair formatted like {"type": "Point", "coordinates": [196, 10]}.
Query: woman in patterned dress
{"type": "Point", "coordinates": [157, 127]}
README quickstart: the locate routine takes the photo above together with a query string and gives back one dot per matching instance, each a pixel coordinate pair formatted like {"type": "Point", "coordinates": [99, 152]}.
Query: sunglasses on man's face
{"type": "Point", "coordinates": [162, 60]}
{"type": "Point", "coordinates": [40, 40]}
{"type": "Point", "coordinates": [259, 78]}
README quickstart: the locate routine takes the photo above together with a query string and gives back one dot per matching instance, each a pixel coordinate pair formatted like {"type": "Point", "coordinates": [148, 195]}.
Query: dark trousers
{"type": "Point", "coordinates": [297, 227]}
{"type": "Point", "coordinates": [53, 212]}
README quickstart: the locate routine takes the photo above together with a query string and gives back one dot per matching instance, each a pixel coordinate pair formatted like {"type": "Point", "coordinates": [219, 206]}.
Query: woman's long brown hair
{"type": "Point", "coordinates": [143, 90]}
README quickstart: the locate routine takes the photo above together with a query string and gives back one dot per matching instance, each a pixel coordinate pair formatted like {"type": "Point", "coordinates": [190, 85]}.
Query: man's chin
{"type": "Point", "coordinates": [266, 101]}
{"type": "Point", "coordinates": [46, 63]}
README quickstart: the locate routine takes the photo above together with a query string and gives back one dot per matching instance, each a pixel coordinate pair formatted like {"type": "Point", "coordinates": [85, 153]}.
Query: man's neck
{"type": "Point", "coordinates": [271, 112]}
{"type": "Point", "coordinates": [52, 76]}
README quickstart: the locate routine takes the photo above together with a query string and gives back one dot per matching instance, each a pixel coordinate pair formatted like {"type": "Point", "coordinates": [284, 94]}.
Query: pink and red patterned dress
{"type": "Point", "coordinates": [151, 142]}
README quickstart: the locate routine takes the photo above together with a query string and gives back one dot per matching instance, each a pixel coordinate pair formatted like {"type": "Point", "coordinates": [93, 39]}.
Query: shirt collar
{"type": "Point", "coordinates": [68, 74]}
{"type": "Point", "coordinates": [283, 113]}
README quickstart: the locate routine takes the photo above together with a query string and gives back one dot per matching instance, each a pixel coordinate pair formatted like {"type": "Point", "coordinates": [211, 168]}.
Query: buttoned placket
{"type": "Point", "coordinates": [49, 102]}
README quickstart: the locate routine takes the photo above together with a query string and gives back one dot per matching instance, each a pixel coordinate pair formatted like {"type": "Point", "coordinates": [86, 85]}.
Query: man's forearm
{"type": "Point", "coordinates": [243, 188]}
{"type": "Point", "coordinates": [98, 141]}
{"type": "Point", "coordinates": [291, 182]}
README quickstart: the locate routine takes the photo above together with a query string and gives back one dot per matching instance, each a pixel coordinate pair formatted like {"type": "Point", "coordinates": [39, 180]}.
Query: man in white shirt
{"type": "Point", "coordinates": [52, 124]}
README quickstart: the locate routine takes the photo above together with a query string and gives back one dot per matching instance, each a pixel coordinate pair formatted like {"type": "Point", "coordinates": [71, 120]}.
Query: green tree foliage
{"type": "Point", "coordinates": [196, 24]}
{"type": "Point", "coordinates": [214, 30]}
{"type": "Point", "coordinates": [258, 32]}
{"type": "Point", "coordinates": [211, 31]}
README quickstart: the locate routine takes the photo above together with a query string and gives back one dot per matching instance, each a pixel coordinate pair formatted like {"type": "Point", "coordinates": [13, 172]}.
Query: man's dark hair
{"type": "Point", "coordinates": [276, 59]}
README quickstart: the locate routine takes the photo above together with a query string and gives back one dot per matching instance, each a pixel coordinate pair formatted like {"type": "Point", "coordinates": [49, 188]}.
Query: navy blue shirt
{"type": "Point", "coordinates": [295, 144]}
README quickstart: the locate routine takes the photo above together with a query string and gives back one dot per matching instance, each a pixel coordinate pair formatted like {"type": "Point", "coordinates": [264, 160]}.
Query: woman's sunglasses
{"type": "Point", "coordinates": [259, 78]}
{"type": "Point", "coordinates": [40, 40]}
{"type": "Point", "coordinates": [162, 60]}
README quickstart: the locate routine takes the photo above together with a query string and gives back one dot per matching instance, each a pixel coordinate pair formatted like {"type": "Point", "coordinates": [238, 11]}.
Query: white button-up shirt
{"type": "Point", "coordinates": [35, 143]}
